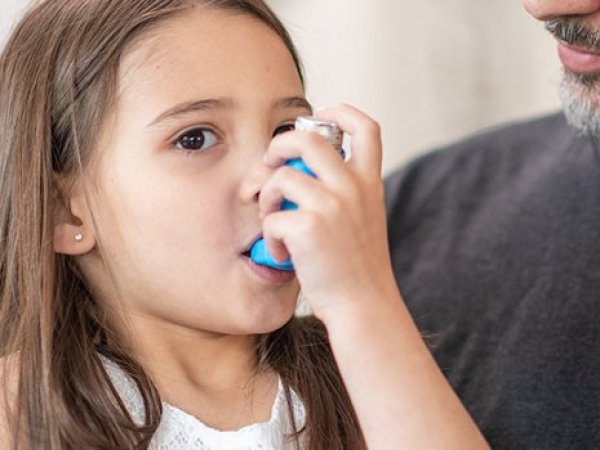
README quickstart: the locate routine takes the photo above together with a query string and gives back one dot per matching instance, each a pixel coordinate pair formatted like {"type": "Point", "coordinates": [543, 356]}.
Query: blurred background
{"type": "Point", "coordinates": [429, 71]}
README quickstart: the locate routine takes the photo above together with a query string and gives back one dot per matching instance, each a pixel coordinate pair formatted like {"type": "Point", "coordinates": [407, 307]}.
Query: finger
{"type": "Point", "coordinates": [366, 136]}
{"type": "Point", "coordinates": [274, 234]}
{"type": "Point", "coordinates": [318, 154]}
{"type": "Point", "coordinates": [290, 184]}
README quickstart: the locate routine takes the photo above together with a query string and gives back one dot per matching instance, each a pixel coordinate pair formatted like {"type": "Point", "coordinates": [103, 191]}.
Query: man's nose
{"type": "Point", "coordinates": [551, 9]}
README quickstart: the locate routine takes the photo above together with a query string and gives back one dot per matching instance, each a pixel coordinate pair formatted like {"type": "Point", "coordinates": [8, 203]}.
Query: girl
{"type": "Point", "coordinates": [141, 154]}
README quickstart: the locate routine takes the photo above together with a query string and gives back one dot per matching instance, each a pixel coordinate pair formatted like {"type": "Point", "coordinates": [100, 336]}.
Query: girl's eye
{"type": "Point", "coordinates": [196, 139]}
{"type": "Point", "coordinates": [284, 129]}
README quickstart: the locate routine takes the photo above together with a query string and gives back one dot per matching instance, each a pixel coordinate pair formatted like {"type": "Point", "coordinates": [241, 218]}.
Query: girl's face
{"type": "Point", "coordinates": [181, 167]}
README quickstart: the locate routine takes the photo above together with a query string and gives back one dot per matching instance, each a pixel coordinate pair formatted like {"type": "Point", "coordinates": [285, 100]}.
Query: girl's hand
{"type": "Point", "coordinates": [338, 242]}
{"type": "Point", "coordinates": [337, 238]}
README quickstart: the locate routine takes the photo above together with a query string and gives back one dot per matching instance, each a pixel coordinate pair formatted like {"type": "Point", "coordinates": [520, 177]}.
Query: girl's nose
{"type": "Point", "coordinates": [551, 9]}
{"type": "Point", "coordinates": [255, 176]}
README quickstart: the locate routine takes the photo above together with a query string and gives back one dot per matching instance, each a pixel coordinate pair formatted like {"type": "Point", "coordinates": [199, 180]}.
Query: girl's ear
{"type": "Point", "coordinates": [71, 235]}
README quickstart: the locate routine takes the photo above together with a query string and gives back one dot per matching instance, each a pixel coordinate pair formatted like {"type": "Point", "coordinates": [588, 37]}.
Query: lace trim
{"type": "Point", "coordinates": [180, 430]}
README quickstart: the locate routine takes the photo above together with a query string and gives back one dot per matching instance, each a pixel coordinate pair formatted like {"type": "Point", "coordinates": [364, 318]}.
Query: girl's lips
{"type": "Point", "coordinates": [266, 273]}
{"type": "Point", "coordinates": [578, 60]}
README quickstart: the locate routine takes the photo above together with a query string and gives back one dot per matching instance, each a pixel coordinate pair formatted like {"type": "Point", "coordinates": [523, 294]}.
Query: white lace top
{"type": "Point", "coordinates": [180, 430]}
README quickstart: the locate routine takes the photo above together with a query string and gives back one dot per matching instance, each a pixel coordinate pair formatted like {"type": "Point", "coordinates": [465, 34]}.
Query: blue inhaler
{"type": "Point", "coordinates": [259, 253]}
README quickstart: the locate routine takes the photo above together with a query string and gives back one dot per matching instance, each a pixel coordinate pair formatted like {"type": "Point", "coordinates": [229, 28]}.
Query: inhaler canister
{"type": "Point", "coordinates": [330, 131]}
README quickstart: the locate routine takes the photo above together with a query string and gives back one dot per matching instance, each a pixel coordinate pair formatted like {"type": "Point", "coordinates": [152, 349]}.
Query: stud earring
{"type": "Point", "coordinates": [78, 237]}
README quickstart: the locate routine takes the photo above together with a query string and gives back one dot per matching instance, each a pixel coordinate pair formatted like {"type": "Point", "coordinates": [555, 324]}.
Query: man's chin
{"type": "Point", "coordinates": [580, 96]}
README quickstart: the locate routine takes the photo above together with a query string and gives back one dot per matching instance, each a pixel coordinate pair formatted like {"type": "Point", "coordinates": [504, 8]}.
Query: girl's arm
{"type": "Point", "coordinates": [400, 396]}
{"type": "Point", "coordinates": [338, 242]}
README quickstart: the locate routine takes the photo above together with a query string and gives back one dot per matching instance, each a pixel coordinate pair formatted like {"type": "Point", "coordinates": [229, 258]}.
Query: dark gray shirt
{"type": "Point", "coordinates": [496, 247]}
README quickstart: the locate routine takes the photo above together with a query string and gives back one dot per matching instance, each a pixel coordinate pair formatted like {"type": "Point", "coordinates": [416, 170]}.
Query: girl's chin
{"type": "Point", "coordinates": [264, 322]}
{"type": "Point", "coordinates": [269, 325]}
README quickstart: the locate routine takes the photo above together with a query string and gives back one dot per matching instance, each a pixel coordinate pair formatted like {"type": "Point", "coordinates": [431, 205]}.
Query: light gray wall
{"type": "Point", "coordinates": [429, 70]}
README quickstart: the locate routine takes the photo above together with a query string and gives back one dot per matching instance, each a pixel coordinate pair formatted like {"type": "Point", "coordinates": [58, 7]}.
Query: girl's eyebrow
{"type": "Point", "coordinates": [294, 102]}
{"type": "Point", "coordinates": [198, 105]}
{"type": "Point", "coordinates": [224, 103]}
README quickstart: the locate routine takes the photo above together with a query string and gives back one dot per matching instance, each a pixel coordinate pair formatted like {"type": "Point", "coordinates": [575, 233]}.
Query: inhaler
{"type": "Point", "coordinates": [259, 252]}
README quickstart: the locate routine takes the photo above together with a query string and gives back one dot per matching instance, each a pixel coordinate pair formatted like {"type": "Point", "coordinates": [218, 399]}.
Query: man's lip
{"type": "Point", "coordinates": [579, 48]}
{"type": "Point", "coordinates": [578, 59]}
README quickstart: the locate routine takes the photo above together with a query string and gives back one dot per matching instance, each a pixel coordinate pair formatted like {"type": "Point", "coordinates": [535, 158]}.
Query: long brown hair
{"type": "Point", "coordinates": [57, 81]}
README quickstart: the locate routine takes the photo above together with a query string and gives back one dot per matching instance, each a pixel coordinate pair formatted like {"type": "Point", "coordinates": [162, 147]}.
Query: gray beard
{"type": "Point", "coordinates": [579, 93]}
{"type": "Point", "coordinates": [580, 96]}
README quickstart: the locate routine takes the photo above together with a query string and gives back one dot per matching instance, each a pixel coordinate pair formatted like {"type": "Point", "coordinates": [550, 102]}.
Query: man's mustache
{"type": "Point", "coordinates": [574, 31]}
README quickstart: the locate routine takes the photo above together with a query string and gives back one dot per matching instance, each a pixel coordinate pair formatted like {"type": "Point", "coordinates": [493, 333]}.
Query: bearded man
{"type": "Point", "coordinates": [496, 247]}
